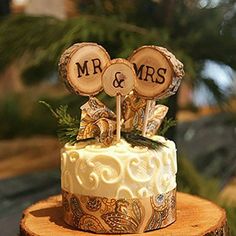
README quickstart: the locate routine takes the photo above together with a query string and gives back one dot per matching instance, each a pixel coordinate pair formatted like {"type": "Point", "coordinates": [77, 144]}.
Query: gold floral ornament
{"type": "Point", "coordinates": [133, 110]}
{"type": "Point", "coordinates": [97, 121]}
{"type": "Point", "coordinates": [119, 216]}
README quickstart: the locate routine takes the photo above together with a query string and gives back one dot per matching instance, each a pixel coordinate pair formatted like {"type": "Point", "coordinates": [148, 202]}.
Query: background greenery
{"type": "Point", "coordinates": [195, 34]}
{"type": "Point", "coordinates": [195, 31]}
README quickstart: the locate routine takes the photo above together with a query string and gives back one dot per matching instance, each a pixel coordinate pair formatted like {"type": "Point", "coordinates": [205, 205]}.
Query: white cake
{"type": "Point", "coordinates": [91, 173]}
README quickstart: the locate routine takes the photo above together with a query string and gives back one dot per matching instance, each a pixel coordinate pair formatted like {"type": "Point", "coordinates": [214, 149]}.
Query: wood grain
{"type": "Point", "coordinates": [118, 77]}
{"type": "Point", "coordinates": [195, 216]}
{"type": "Point", "coordinates": [158, 71]}
{"type": "Point", "coordinates": [148, 61]}
{"type": "Point", "coordinates": [80, 68]}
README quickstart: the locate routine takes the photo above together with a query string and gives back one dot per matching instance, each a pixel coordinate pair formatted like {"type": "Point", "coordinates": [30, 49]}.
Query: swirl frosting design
{"type": "Point", "coordinates": [118, 171]}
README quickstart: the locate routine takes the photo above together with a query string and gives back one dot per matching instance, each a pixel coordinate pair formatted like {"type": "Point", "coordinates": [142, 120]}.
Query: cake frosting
{"type": "Point", "coordinates": [119, 170]}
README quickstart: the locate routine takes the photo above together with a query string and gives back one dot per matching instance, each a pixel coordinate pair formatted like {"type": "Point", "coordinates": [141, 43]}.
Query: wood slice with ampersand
{"type": "Point", "coordinates": [81, 66]}
{"type": "Point", "coordinates": [118, 77]}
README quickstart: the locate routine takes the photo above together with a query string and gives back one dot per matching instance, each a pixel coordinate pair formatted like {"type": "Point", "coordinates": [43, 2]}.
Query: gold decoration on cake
{"type": "Point", "coordinates": [97, 121]}
{"type": "Point", "coordinates": [133, 110]}
{"type": "Point", "coordinates": [119, 216]}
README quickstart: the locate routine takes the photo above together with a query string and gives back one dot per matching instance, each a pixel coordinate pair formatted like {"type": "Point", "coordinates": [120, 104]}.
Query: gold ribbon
{"type": "Point", "coordinates": [133, 110]}
{"type": "Point", "coordinates": [119, 216]}
{"type": "Point", "coordinates": [100, 122]}
{"type": "Point", "coordinates": [97, 121]}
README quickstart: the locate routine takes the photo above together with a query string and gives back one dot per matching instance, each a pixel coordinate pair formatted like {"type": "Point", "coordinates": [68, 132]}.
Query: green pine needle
{"type": "Point", "coordinates": [68, 125]}
{"type": "Point", "coordinates": [136, 139]}
{"type": "Point", "coordinates": [69, 128]}
{"type": "Point", "coordinates": [167, 123]}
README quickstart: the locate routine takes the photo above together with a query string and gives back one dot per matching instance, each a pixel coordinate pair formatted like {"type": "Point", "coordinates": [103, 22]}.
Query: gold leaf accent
{"type": "Point", "coordinates": [97, 121]}
{"type": "Point", "coordinates": [133, 110]}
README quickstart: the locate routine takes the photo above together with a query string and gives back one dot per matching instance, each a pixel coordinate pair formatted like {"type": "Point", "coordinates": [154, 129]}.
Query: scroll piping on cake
{"type": "Point", "coordinates": [119, 216]}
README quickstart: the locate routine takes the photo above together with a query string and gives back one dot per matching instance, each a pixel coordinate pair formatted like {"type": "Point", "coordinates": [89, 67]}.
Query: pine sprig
{"type": "Point", "coordinates": [167, 123]}
{"type": "Point", "coordinates": [69, 128]}
{"type": "Point", "coordinates": [68, 125]}
{"type": "Point", "coordinates": [136, 139]}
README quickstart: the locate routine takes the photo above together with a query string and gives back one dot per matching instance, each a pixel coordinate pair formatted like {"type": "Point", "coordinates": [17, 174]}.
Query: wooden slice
{"type": "Point", "coordinates": [195, 216]}
{"type": "Point", "coordinates": [81, 66]}
{"type": "Point", "coordinates": [158, 72]}
{"type": "Point", "coordinates": [118, 77]}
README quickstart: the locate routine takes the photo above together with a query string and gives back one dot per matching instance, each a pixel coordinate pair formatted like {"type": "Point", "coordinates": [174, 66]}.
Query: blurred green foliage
{"type": "Point", "coordinates": [231, 218]}
{"type": "Point", "coordinates": [18, 118]}
{"type": "Point", "coordinates": [23, 115]}
{"type": "Point", "coordinates": [193, 33]}
{"type": "Point", "coordinates": [190, 181]}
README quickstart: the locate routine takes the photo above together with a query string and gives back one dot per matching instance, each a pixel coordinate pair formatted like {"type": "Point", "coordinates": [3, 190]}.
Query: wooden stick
{"type": "Point", "coordinates": [118, 116]}
{"type": "Point", "coordinates": [145, 122]}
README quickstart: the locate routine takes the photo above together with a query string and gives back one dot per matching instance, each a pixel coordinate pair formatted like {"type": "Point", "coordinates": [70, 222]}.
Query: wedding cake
{"type": "Point", "coordinates": [119, 189]}
{"type": "Point", "coordinates": [117, 175]}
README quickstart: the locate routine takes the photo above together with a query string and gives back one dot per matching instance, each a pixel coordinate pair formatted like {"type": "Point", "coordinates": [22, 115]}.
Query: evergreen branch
{"type": "Point", "coordinates": [68, 125]}
{"type": "Point", "coordinates": [50, 108]}
{"type": "Point", "coordinates": [69, 128]}
{"type": "Point", "coordinates": [215, 90]}
{"type": "Point", "coordinates": [122, 25]}
{"type": "Point", "coordinates": [136, 139]}
{"type": "Point", "coordinates": [167, 123]}
{"type": "Point", "coordinates": [86, 140]}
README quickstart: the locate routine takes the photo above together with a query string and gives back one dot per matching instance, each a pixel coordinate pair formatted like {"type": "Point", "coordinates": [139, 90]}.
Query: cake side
{"type": "Point", "coordinates": [118, 171]}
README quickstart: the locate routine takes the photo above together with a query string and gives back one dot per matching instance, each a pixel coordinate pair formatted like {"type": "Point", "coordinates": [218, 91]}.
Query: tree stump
{"type": "Point", "coordinates": [195, 216]}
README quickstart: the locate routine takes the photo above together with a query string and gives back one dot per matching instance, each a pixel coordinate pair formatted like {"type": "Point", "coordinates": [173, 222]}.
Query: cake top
{"type": "Point", "coordinates": [150, 73]}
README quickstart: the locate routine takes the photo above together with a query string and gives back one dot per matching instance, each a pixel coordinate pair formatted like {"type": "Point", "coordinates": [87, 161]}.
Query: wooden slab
{"type": "Point", "coordinates": [195, 216]}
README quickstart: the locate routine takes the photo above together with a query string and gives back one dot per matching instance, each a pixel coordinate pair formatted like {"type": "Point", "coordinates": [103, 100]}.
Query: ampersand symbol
{"type": "Point", "coordinates": [117, 82]}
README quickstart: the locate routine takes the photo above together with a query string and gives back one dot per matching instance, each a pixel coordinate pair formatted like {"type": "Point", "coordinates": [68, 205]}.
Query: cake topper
{"type": "Point", "coordinates": [81, 66]}
{"type": "Point", "coordinates": [118, 80]}
{"type": "Point", "coordinates": [150, 73]}
{"type": "Point", "coordinates": [97, 121]}
{"type": "Point", "coordinates": [133, 109]}
{"type": "Point", "coordinates": [158, 75]}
